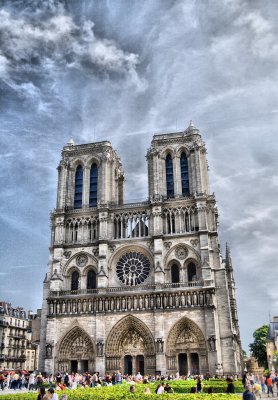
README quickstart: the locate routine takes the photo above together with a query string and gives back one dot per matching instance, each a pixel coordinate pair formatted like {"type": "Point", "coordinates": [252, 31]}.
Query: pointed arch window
{"type": "Point", "coordinates": [78, 187]}
{"type": "Point", "coordinates": [91, 280]}
{"type": "Point", "coordinates": [74, 280]}
{"type": "Point", "coordinates": [184, 174]}
{"type": "Point", "coordinates": [93, 185]}
{"type": "Point", "coordinates": [175, 273]}
{"type": "Point", "coordinates": [169, 176]}
{"type": "Point", "coordinates": [191, 271]}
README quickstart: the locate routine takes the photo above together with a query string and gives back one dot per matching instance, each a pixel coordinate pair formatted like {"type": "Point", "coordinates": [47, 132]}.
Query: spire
{"type": "Point", "coordinates": [192, 128]}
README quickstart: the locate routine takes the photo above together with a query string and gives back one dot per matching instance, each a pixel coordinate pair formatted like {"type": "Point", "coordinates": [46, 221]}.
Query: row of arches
{"type": "Point", "coordinates": [91, 276]}
{"type": "Point", "coordinates": [91, 280]}
{"type": "Point", "coordinates": [176, 275]}
{"type": "Point", "coordinates": [78, 190]}
{"type": "Point", "coordinates": [131, 346]}
{"type": "Point", "coordinates": [170, 175]}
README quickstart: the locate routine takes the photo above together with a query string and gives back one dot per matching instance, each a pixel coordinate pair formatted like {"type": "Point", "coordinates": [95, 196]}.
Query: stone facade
{"type": "Point", "coordinates": [138, 286]}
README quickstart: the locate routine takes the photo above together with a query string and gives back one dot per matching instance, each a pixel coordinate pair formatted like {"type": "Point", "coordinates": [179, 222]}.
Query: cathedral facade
{"type": "Point", "coordinates": [138, 286]}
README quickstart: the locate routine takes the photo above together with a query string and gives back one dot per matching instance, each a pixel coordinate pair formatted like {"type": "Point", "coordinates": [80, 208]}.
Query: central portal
{"type": "Point", "coordinates": [130, 347]}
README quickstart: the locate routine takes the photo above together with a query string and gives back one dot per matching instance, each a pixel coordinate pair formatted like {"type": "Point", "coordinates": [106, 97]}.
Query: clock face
{"type": "Point", "coordinates": [181, 253]}
{"type": "Point", "coordinates": [81, 260]}
{"type": "Point", "coordinates": [133, 268]}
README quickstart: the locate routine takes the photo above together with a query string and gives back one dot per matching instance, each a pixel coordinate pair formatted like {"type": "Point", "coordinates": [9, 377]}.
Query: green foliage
{"type": "Point", "coordinates": [122, 392]}
{"type": "Point", "coordinates": [275, 354]}
{"type": "Point", "coordinates": [258, 347]}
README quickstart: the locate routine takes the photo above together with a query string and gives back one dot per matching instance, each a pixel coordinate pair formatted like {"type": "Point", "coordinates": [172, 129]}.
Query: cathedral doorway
{"type": "Point", "coordinates": [186, 348]}
{"type": "Point", "coordinates": [73, 366]}
{"type": "Point", "coordinates": [183, 368]}
{"type": "Point", "coordinates": [128, 365]}
{"type": "Point", "coordinates": [76, 352]}
{"type": "Point", "coordinates": [130, 347]}
{"type": "Point", "coordinates": [195, 368]}
{"type": "Point", "coordinates": [140, 364]}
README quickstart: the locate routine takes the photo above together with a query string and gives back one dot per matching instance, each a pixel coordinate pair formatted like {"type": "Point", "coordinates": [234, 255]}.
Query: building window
{"type": "Point", "coordinates": [169, 176]}
{"type": "Point", "coordinates": [74, 280]}
{"type": "Point", "coordinates": [91, 280]}
{"type": "Point", "coordinates": [184, 175]}
{"type": "Point", "coordinates": [93, 185]}
{"type": "Point", "coordinates": [191, 271]}
{"type": "Point", "coordinates": [175, 273]}
{"type": "Point", "coordinates": [78, 187]}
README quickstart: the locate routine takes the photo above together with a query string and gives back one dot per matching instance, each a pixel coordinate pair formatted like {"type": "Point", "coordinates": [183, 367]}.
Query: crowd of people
{"type": "Point", "coordinates": [255, 385]}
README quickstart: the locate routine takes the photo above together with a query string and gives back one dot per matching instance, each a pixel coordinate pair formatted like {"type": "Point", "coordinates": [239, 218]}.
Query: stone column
{"type": "Point", "coordinates": [177, 176]}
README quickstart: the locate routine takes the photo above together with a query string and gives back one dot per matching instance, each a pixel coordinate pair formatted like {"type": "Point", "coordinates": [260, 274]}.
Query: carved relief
{"type": "Point", "coordinates": [67, 254]}
{"type": "Point", "coordinates": [194, 242]}
{"type": "Point", "coordinates": [167, 245]}
{"type": "Point", "coordinates": [133, 343]}
{"type": "Point", "coordinates": [181, 252]}
{"type": "Point", "coordinates": [81, 260]}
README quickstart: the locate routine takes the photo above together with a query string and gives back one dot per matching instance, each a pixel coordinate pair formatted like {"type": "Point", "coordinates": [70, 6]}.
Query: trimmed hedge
{"type": "Point", "coordinates": [122, 392]}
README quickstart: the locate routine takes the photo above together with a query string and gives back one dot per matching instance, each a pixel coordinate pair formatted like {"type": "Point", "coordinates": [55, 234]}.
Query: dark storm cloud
{"type": "Point", "coordinates": [122, 71]}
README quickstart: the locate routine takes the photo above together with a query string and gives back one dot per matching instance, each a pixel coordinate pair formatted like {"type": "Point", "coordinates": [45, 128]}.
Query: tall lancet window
{"type": "Point", "coordinates": [91, 280]}
{"type": "Point", "coordinates": [78, 187]}
{"type": "Point", "coordinates": [184, 175]}
{"type": "Point", "coordinates": [169, 176]}
{"type": "Point", "coordinates": [74, 280]}
{"type": "Point", "coordinates": [93, 186]}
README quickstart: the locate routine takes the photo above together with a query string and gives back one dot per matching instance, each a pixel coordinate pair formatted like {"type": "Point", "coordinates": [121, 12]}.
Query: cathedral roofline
{"type": "Point", "coordinates": [190, 130]}
{"type": "Point", "coordinates": [72, 146]}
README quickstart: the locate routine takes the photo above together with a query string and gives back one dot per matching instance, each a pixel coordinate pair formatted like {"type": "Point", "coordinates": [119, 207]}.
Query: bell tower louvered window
{"type": "Point", "coordinates": [169, 176]}
{"type": "Point", "coordinates": [78, 187]}
{"type": "Point", "coordinates": [93, 185]}
{"type": "Point", "coordinates": [184, 175]}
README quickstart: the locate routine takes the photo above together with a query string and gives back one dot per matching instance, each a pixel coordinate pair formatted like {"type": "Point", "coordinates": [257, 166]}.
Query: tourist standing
{"type": "Point", "coordinates": [230, 386]}
{"type": "Point", "coordinates": [247, 394]}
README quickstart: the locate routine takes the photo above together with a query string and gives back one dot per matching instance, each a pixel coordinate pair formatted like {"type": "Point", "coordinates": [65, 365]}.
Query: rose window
{"type": "Point", "coordinates": [133, 268]}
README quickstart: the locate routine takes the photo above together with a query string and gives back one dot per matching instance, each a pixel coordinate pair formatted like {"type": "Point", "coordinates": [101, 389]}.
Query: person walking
{"type": "Point", "coordinates": [2, 381]}
{"type": "Point", "coordinates": [31, 381]}
{"type": "Point", "coordinates": [199, 385]}
{"type": "Point", "coordinates": [269, 384]}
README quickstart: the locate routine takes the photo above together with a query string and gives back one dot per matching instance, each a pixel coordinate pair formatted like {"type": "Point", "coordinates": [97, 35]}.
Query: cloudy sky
{"type": "Point", "coordinates": [122, 71]}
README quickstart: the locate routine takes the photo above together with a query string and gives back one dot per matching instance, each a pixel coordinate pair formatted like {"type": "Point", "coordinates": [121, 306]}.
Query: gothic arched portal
{"type": "Point", "coordinates": [76, 352]}
{"type": "Point", "coordinates": [186, 348]}
{"type": "Point", "coordinates": [130, 347]}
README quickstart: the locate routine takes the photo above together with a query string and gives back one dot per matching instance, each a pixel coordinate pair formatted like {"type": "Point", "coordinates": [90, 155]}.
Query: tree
{"type": "Point", "coordinates": [258, 347]}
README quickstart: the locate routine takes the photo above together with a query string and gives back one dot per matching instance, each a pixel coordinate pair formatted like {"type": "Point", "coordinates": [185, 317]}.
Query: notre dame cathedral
{"type": "Point", "coordinates": [138, 286]}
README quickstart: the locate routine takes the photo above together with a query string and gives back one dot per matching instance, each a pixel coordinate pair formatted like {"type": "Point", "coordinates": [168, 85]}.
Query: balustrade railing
{"type": "Point", "coordinates": [149, 287]}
